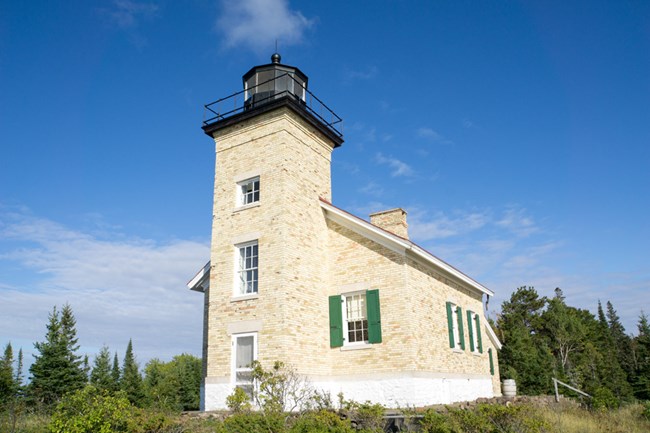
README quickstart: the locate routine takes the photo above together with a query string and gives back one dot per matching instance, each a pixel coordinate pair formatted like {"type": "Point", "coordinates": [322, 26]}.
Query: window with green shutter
{"type": "Point", "coordinates": [374, 316]}
{"type": "Point", "coordinates": [461, 333]}
{"type": "Point", "coordinates": [479, 341]}
{"type": "Point", "coordinates": [355, 318]}
{"type": "Point", "coordinates": [491, 362]}
{"type": "Point", "coordinates": [450, 324]}
{"type": "Point", "coordinates": [470, 331]}
{"type": "Point", "coordinates": [336, 321]}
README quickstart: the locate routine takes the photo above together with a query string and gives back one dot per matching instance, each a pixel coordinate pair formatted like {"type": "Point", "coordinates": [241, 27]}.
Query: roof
{"type": "Point", "coordinates": [397, 244]}
{"type": "Point", "coordinates": [201, 280]}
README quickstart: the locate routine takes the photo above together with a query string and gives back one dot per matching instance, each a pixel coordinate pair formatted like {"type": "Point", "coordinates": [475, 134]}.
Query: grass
{"type": "Point", "coordinates": [567, 419]}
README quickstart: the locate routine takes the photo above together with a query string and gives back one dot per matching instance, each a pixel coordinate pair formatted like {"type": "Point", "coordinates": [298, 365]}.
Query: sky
{"type": "Point", "coordinates": [516, 135]}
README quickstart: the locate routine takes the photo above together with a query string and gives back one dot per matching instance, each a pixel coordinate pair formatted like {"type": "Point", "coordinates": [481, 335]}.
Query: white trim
{"type": "Point", "coordinates": [237, 289]}
{"type": "Point", "coordinates": [201, 280]}
{"type": "Point", "coordinates": [492, 335]}
{"type": "Point", "coordinates": [396, 243]}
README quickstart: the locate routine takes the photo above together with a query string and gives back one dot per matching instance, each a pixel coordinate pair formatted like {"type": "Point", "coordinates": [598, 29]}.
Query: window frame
{"type": "Point", "coordinates": [241, 284]}
{"type": "Point", "coordinates": [346, 320]}
{"type": "Point", "coordinates": [235, 369]}
{"type": "Point", "coordinates": [242, 194]}
{"type": "Point", "coordinates": [338, 335]}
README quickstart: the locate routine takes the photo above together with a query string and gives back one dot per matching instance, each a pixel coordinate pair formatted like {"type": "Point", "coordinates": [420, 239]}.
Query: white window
{"type": "Point", "coordinates": [244, 348]}
{"type": "Point", "coordinates": [355, 323]}
{"type": "Point", "coordinates": [249, 191]}
{"type": "Point", "coordinates": [247, 268]}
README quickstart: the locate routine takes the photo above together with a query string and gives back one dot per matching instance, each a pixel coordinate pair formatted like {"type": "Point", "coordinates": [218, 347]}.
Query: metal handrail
{"type": "Point", "coordinates": [311, 100]}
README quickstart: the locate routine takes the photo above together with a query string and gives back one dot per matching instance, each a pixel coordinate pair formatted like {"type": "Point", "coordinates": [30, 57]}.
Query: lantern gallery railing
{"type": "Point", "coordinates": [282, 86]}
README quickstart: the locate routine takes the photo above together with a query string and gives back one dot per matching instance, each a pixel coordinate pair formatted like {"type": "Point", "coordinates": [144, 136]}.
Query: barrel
{"type": "Point", "coordinates": [509, 388]}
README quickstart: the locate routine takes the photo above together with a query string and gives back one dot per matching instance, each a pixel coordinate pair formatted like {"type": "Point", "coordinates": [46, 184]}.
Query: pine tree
{"type": "Point", "coordinates": [131, 380]}
{"type": "Point", "coordinates": [8, 385]}
{"type": "Point", "coordinates": [641, 378]}
{"type": "Point", "coordinates": [116, 373]}
{"type": "Point", "coordinates": [101, 377]}
{"type": "Point", "coordinates": [57, 369]}
{"type": "Point", "coordinates": [525, 355]}
{"type": "Point", "coordinates": [622, 342]}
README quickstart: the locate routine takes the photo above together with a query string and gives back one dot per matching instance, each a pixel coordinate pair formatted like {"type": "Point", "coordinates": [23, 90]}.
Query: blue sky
{"type": "Point", "coordinates": [516, 134]}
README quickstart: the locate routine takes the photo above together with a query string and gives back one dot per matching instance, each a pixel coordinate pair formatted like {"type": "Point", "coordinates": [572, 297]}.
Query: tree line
{"type": "Point", "coordinates": [58, 369]}
{"type": "Point", "coordinates": [544, 338]}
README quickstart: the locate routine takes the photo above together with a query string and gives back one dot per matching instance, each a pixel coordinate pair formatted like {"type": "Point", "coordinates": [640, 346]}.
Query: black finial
{"type": "Point", "coordinates": [275, 58]}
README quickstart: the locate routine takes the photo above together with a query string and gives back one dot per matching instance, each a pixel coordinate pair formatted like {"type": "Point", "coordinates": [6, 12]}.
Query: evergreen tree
{"type": "Point", "coordinates": [101, 377]}
{"type": "Point", "coordinates": [175, 384]}
{"type": "Point", "coordinates": [57, 368]}
{"type": "Point", "coordinates": [8, 385]}
{"type": "Point", "coordinates": [19, 371]}
{"type": "Point", "coordinates": [116, 373]}
{"type": "Point", "coordinates": [623, 343]}
{"type": "Point", "coordinates": [641, 378]}
{"type": "Point", "coordinates": [525, 355]}
{"type": "Point", "coordinates": [131, 380]}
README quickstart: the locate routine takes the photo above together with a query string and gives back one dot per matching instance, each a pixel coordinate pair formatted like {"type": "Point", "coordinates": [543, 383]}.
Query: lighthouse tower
{"type": "Point", "coordinates": [274, 141]}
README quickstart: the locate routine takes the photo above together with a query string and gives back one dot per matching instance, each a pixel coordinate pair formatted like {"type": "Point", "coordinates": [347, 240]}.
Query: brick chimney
{"type": "Point", "coordinates": [393, 220]}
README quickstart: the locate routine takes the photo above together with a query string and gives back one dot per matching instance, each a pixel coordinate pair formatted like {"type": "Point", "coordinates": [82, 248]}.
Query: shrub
{"type": "Point", "coordinates": [645, 412]}
{"type": "Point", "coordinates": [322, 421]}
{"type": "Point", "coordinates": [433, 422]}
{"type": "Point", "coordinates": [604, 399]}
{"type": "Point", "coordinates": [254, 422]}
{"type": "Point", "coordinates": [91, 411]}
{"type": "Point", "coordinates": [238, 401]}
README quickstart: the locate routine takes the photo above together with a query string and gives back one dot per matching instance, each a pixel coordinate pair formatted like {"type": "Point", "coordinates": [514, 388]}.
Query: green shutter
{"type": "Point", "coordinates": [461, 333]}
{"type": "Point", "coordinates": [478, 334]}
{"type": "Point", "coordinates": [450, 325]}
{"type": "Point", "coordinates": [491, 362]}
{"type": "Point", "coordinates": [336, 322]}
{"type": "Point", "coordinates": [470, 330]}
{"type": "Point", "coordinates": [374, 316]}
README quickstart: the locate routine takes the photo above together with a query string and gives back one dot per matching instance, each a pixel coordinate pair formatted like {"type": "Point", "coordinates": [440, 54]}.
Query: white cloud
{"type": "Point", "coordinates": [118, 289]}
{"type": "Point", "coordinates": [257, 24]}
{"type": "Point", "coordinates": [431, 135]}
{"type": "Point", "coordinates": [363, 74]}
{"type": "Point", "coordinates": [517, 221]}
{"type": "Point", "coordinates": [372, 188]}
{"type": "Point", "coordinates": [426, 226]}
{"type": "Point", "coordinates": [125, 13]}
{"type": "Point", "coordinates": [399, 168]}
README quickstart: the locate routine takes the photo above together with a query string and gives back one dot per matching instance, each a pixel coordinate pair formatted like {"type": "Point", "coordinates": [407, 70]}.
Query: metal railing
{"type": "Point", "coordinates": [238, 102]}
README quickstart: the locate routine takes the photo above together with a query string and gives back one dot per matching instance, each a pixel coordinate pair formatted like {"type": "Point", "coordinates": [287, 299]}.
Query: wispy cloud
{"type": "Point", "coordinates": [518, 221]}
{"type": "Point", "coordinates": [257, 24]}
{"type": "Point", "coordinates": [372, 188]}
{"type": "Point", "coordinates": [431, 135]}
{"type": "Point", "coordinates": [118, 289]}
{"type": "Point", "coordinates": [398, 168]}
{"type": "Point", "coordinates": [125, 13]}
{"type": "Point", "coordinates": [360, 74]}
{"type": "Point", "coordinates": [425, 226]}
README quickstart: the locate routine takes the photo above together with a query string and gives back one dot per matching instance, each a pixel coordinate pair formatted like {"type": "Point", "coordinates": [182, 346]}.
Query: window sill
{"type": "Point", "coordinates": [244, 297]}
{"type": "Point", "coordinates": [457, 350]}
{"type": "Point", "coordinates": [356, 347]}
{"type": "Point", "coordinates": [476, 353]}
{"type": "Point", "coordinates": [246, 206]}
